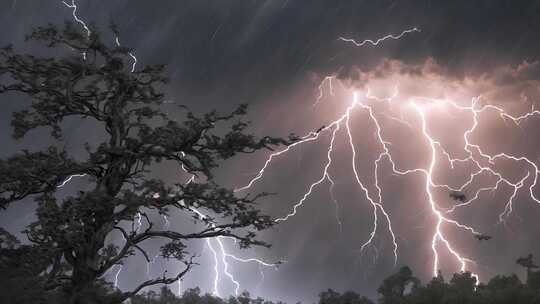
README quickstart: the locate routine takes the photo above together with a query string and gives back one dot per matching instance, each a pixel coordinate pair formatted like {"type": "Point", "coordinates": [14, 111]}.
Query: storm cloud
{"type": "Point", "coordinates": [274, 55]}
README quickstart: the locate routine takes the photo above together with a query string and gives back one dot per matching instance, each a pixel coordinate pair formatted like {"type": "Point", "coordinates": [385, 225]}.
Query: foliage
{"type": "Point", "coordinates": [193, 296]}
{"type": "Point", "coordinates": [94, 82]}
{"type": "Point", "coordinates": [333, 297]}
{"type": "Point", "coordinates": [461, 289]}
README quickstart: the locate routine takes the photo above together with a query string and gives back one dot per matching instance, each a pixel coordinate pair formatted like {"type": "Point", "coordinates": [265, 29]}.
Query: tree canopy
{"type": "Point", "coordinates": [93, 81]}
{"type": "Point", "coordinates": [401, 287]}
{"type": "Point", "coordinates": [462, 288]}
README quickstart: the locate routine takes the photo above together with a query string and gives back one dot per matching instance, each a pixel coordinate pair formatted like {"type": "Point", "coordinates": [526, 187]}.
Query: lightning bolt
{"type": "Point", "coordinates": [312, 136]}
{"type": "Point", "coordinates": [73, 6]}
{"type": "Point", "coordinates": [438, 234]}
{"type": "Point", "coordinates": [470, 148]}
{"type": "Point", "coordinates": [224, 255]}
{"type": "Point", "coordinates": [67, 180]}
{"type": "Point", "coordinates": [376, 42]}
{"type": "Point", "coordinates": [222, 250]}
{"type": "Point", "coordinates": [137, 224]}
{"type": "Point", "coordinates": [166, 223]}
{"type": "Point", "coordinates": [476, 156]}
{"type": "Point", "coordinates": [149, 265]}
{"type": "Point", "coordinates": [334, 200]}
{"type": "Point", "coordinates": [483, 163]}
{"type": "Point", "coordinates": [324, 176]}
{"type": "Point", "coordinates": [376, 205]}
{"type": "Point", "coordinates": [117, 41]}
{"type": "Point", "coordinates": [120, 267]}
{"type": "Point", "coordinates": [327, 79]}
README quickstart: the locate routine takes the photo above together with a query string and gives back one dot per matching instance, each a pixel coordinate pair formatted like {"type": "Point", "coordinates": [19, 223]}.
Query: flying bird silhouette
{"type": "Point", "coordinates": [527, 262]}
{"type": "Point", "coordinates": [458, 196]}
{"type": "Point", "coordinates": [482, 237]}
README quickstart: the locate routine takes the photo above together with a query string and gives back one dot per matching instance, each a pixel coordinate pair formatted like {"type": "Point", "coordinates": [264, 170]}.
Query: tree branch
{"type": "Point", "coordinates": [162, 280]}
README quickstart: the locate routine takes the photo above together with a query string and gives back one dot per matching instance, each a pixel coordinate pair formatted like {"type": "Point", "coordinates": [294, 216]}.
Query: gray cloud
{"type": "Point", "coordinates": [273, 54]}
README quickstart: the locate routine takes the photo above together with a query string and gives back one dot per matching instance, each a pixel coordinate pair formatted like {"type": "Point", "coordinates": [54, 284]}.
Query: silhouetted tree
{"type": "Point", "coordinates": [461, 289]}
{"type": "Point", "coordinates": [433, 292]}
{"type": "Point", "coordinates": [504, 289]}
{"type": "Point", "coordinates": [70, 234]}
{"type": "Point", "coordinates": [393, 288]}
{"type": "Point", "coordinates": [20, 267]}
{"type": "Point", "coordinates": [527, 263]}
{"type": "Point", "coordinates": [350, 297]}
{"type": "Point", "coordinates": [332, 297]}
{"type": "Point", "coordinates": [193, 296]}
{"type": "Point", "coordinates": [533, 277]}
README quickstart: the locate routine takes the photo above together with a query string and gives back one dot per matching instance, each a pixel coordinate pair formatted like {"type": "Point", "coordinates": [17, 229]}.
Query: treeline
{"type": "Point", "coordinates": [399, 288]}
{"type": "Point", "coordinates": [22, 282]}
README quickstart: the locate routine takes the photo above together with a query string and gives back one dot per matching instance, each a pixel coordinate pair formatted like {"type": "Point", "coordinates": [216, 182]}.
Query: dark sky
{"type": "Point", "coordinates": [273, 55]}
